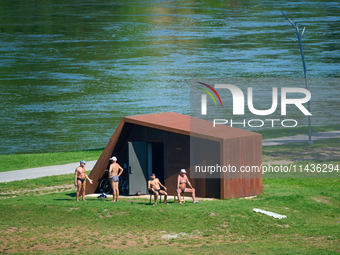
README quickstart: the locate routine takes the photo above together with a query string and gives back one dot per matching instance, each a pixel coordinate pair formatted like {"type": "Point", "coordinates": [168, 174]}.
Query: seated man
{"type": "Point", "coordinates": [182, 182]}
{"type": "Point", "coordinates": [155, 186]}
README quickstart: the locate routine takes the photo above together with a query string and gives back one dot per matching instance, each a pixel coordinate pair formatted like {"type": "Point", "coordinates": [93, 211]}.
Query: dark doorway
{"type": "Point", "coordinates": [156, 160]}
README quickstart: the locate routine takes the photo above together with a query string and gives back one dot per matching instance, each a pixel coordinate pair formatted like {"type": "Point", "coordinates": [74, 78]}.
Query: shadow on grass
{"type": "Point", "coordinates": [107, 200]}
{"type": "Point", "coordinates": [71, 194]}
{"type": "Point", "coordinates": [132, 202]}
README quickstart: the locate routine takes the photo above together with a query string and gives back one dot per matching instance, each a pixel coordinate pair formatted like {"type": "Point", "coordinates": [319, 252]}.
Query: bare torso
{"type": "Point", "coordinates": [81, 172]}
{"type": "Point", "coordinates": [154, 184]}
{"type": "Point", "coordinates": [182, 182]}
{"type": "Point", "coordinates": [114, 169]}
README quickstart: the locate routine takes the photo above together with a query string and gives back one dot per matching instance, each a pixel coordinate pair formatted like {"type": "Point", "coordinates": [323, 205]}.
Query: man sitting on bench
{"type": "Point", "coordinates": [155, 186]}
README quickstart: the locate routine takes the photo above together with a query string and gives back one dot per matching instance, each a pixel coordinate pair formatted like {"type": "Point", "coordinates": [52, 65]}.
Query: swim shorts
{"type": "Point", "coordinates": [115, 178]}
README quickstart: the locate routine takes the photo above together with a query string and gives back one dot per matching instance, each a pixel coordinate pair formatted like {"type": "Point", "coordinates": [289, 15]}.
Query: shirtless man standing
{"type": "Point", "coordinates": [114, 172]}
{"type": "Point", "coordinates": [155, 186]}
{"type": "Point", "coordinates": [80, 177]}
{"type": "Point", "coordinates": [182, 182]}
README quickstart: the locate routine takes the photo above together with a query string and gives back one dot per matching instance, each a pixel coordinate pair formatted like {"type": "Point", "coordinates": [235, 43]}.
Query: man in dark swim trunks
{"type": "Point", "coordinates": [80, 177]}
{"type": "Point", "coordinates": [155, 186]}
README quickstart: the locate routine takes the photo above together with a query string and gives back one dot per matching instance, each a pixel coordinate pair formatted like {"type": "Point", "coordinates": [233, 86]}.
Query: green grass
{"type": "Point", "coordinates": [281, 132]}
{"type": "Point", "coordinates": [57, 224]}
{"type": "Point", "coordinates": [24, 161]}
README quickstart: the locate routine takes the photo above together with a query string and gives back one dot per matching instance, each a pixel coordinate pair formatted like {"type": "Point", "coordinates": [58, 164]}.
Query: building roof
{"type": "Point", "coordinates": [186, 125]}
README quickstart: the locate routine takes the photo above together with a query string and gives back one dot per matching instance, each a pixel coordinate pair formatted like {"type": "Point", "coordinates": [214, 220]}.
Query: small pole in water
{"type": "Point", "coordinates": [299, 37]}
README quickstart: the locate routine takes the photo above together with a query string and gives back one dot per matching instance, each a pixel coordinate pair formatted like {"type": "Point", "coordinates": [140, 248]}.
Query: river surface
{"type": "Point", "coordinates": [70, 70]}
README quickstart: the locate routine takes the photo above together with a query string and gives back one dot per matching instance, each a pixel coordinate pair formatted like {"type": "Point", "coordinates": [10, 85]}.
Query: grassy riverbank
{"type": "Point", "coordinates": [57, 224]}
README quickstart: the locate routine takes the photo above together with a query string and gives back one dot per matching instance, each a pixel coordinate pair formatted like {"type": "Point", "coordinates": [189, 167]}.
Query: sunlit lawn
{"type": "Point", "coordinates": [56, 223]}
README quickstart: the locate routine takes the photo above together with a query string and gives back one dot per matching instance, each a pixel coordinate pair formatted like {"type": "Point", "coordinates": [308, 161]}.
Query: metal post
{"type": "Point", "coordinates": [299, 37]}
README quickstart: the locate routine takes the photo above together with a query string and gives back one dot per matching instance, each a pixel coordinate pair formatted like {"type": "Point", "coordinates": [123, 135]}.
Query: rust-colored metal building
{"type": "Point", "coordinates": [164, 143]}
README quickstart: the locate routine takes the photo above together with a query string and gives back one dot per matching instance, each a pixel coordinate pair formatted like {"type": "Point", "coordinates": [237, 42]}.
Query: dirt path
{"type": "Point", "coordinates": [37, 191]}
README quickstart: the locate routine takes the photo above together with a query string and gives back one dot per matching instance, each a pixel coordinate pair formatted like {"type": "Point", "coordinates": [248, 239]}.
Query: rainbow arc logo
{"type": "Point", "coordinates": [209, 93]}
{"type": "Point", "coordinates": [204, 97]}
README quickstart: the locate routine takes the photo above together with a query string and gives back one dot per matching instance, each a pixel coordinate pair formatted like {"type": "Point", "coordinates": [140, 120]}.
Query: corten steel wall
{"type": "Point", "coordinates": [204, 152]}
{"type": "Point", "coordinates": [237, 148]}
{"type": "Point", "coordinates": [242, 151]}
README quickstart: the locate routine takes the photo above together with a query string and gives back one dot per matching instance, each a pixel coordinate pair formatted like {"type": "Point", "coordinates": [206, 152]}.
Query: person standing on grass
{"type": "Point", "coordinates": [155, 186]}
{"type": "Point", "coordinates": [182, 182]}
{"type": "Point", "coordinates": [80, 177]}
{"type": "Point", "coordinates": [114, 172]}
